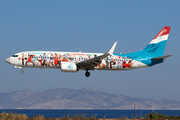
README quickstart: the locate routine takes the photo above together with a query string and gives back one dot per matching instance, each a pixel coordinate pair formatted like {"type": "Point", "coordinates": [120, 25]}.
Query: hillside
{"type": "Point", "coordinates": [86, 98]}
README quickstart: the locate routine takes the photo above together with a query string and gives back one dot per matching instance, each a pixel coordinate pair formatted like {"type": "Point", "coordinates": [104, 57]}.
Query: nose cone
{"type": "Point", "coordinates": [8, 60]}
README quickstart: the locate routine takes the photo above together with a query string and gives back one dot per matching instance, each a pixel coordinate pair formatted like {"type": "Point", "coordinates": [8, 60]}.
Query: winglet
{"type": "Point", "coordinates": [112, 48]}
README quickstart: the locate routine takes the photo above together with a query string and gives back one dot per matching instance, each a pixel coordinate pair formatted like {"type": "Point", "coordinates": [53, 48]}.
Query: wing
{"type": "Point", "coordinates": [90, 64]}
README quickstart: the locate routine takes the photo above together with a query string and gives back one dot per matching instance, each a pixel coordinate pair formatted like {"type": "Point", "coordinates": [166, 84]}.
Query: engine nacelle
{"type": "Point", "coordinates": [68, 67]}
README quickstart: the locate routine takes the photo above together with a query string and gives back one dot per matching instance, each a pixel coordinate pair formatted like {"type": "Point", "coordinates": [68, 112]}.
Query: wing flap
{"type": "Point", "coordinates": [95, 61]}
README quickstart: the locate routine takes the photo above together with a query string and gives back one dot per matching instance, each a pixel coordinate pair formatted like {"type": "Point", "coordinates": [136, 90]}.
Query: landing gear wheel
{"type": "Point", "coordinates": [21, 71]}
{"type": "Point", "coordinates": [87, 74]}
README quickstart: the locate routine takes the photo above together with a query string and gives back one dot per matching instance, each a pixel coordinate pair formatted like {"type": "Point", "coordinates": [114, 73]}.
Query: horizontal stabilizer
{"type": "Point", "coordinates": [162, 57]}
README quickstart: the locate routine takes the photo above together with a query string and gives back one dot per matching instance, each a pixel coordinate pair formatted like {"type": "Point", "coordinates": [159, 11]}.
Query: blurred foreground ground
{"type": "Point", "coordinates": [95, 119]}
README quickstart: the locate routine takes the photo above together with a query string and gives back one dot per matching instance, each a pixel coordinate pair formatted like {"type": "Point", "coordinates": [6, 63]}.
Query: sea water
{"type": "Point", "coordinates": [56, 113]}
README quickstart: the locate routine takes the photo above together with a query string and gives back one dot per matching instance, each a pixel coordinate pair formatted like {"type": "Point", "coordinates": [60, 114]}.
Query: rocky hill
{"type": "Point", "coordinates": [86, 98]}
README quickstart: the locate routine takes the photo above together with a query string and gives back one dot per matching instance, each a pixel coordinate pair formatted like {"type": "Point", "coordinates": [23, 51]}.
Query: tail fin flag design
{"type": "Point", "coordinates": [162, 35]}
{"type": "Point", "coordinates": [157, 45]}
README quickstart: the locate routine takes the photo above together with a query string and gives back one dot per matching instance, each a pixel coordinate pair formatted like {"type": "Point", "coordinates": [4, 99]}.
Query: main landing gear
{"type": "Point", "coordinates": [87, 74]}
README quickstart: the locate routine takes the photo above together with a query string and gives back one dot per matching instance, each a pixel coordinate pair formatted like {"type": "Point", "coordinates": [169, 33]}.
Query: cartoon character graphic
{"type": "Point", "coordinates": [44, 57]}
{"type": "Point", "coordinates": [59, 58]}
{"type": "Point", "coordinates": [85, 57]}
{"type": "Point", "coordinates": [70, 58]}
{"type": "Point", "coordinates": [29, 60]}
{"type": "Point", "coordinates": [102, 65]}
{"type": "Point", "coordinates": [56, 59]}
{"type": "Point", "coordinates": [64, 58]}
{"type": "Point", "coordinates": [119, 62]}
{"type": "Point", "coordinates": [112, 62]}
{"type": "Point", "coordinates": [68, 55]}
{"type": "Point", "coordinates": [51, 60]}
{"type": "Point", "coordinates": [89, 56]}
{"type": "Point", "coordinates": [124, 64]}
{"type": "Point", "coordinates": [130, 62]}
{"type": "Point", "coordinates": [33, 58]}
{"type": "Point", "coordinates": [22, 58]}
{"type": "Point", "coordinates": [38, 60]}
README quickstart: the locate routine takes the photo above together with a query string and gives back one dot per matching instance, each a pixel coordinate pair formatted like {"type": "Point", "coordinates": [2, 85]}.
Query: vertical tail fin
{"type": "Point", "coordinates": [157, 45]}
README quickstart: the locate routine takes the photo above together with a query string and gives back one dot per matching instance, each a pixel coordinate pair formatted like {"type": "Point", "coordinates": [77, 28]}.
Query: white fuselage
{"type": "Point", "coordinates": [50, 59]}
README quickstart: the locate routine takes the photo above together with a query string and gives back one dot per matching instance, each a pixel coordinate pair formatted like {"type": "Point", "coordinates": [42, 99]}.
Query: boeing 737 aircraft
{"type": "Point", "coordinates": [151, 55]}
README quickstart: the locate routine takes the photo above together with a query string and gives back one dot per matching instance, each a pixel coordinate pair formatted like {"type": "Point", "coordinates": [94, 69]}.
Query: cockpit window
{"type": "Point", "coordinates": [14, 55]}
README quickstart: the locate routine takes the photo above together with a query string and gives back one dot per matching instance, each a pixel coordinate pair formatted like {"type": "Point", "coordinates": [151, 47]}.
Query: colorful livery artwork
{"type": "Point", "coordinates": [74, 61]}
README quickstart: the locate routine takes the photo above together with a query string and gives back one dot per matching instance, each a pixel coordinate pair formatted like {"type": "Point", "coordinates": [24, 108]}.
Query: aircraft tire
{"type": "Point", "coordinates": [87, 74]}
{"type": "Point", "coordinates": [21, 71]}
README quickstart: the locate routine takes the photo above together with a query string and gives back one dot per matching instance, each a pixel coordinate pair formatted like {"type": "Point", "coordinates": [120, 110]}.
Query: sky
{"type": "Point", "coordinates": [90, 26]}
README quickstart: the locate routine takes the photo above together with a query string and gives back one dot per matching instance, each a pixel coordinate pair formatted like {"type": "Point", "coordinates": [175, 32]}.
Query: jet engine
{"type": "Point", "coordinates": [68, 67]}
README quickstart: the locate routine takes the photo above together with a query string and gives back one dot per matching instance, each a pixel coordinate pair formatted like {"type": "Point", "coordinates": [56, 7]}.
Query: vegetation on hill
{"type": "Point", "coordinates": [12, 116]}
{"type": "Point", "coordinates": [160, 116]}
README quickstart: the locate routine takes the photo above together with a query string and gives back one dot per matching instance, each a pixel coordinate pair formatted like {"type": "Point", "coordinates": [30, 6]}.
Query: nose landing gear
{"type": "Point", "coordinates": [21, 71]}
{"type": "Point", "coordinates": [87, 74]}
{"type": "Point", "coordinates": [20, 68]}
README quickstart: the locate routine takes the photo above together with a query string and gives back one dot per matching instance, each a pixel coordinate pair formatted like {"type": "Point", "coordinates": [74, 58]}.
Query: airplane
{"type": "Point", "coordinates": [151, 55]}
